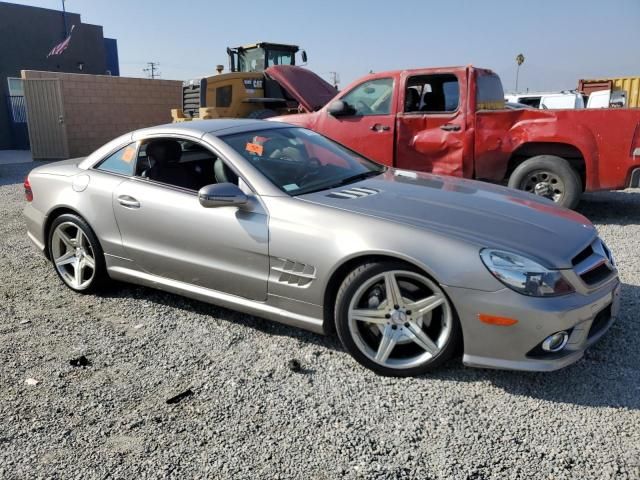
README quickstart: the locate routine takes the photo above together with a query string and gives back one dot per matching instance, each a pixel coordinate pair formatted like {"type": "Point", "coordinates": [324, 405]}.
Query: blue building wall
{"type": "Point", "coordinates": [111, 54]}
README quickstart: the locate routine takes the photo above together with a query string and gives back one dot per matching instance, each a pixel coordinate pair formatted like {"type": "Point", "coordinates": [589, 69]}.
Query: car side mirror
{"type": "Point", "coordinates": [339, 108]}
{"type": "Point", "coordinates": [304, 56]}
{"type": "Point", "coordinates": [222, 195]}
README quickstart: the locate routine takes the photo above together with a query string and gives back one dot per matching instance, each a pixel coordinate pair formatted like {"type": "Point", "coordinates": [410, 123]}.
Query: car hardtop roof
{"type": "Point", "coordinates": [199, 128]}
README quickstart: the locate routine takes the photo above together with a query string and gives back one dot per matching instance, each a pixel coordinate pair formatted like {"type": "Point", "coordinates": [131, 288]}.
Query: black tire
{"type": "Point", "coordinates": [349, 288]}
{"type": "Point", "coordinates": [525, 174]}
{"type": "Point", "coordinates": [262, 114]}
{"type": "Point", "coordinates": [90, 244]}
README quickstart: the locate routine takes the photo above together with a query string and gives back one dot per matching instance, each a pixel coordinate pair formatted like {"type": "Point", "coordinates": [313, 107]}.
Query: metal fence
{"type": "Point", "coordinates": [17, 114]}
{"type": "Point", "coordinates": [17, 109]}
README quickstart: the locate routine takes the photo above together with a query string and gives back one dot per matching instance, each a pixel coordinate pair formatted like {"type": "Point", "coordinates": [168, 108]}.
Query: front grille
{"type": "Point", "coordinates": [600, 322]}
{"type": "Point", "coordinates": [597, 275]}
{"type": "Point", "coordinates": [192, 97]}
{"type": "Point", "coordinates": [594, 264]}
{"type": "Point", "coordinates": [583, 255]}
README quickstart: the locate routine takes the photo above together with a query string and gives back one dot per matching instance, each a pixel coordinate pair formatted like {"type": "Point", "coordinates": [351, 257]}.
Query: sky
{"type": "Point", "coordinates": [562, 40]}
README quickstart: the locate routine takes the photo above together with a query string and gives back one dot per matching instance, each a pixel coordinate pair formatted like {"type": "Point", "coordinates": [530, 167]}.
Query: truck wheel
{"type": "Point", "coordinates": [260, 114]}
{"type": "Point", "coordinates": [548, 176]}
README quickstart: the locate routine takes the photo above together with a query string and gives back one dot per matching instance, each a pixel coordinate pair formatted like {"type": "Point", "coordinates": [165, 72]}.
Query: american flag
{"type": "Point", "coordinates": [62, 46]}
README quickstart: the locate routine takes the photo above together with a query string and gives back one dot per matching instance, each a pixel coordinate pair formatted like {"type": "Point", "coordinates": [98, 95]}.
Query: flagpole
{"type": "Point", "coordinates": [64, 19]}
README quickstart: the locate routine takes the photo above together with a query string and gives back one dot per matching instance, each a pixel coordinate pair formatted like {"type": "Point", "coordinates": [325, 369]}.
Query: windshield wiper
{"type": "Point", "coordinates": [355, 178]}
{"type": "Point", "coordinates": [344, 181]}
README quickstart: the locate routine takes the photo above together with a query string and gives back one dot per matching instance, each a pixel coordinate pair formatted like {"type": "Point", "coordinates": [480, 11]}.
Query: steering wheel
{"type": "Point", "coordinates": [362, 107]}
{"type": "Point", "coordinates": [313, 168]}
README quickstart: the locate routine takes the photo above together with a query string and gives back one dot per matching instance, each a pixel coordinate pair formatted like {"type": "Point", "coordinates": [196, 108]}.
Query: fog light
{"type": "Point", "coordinates": [555, 342]}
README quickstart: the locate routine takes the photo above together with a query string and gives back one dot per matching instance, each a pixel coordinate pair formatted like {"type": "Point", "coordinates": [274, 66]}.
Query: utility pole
{"type": "Point", "coordinates": [335, 79]}
{"type": "Point", "coordinates": [152, 70]}
{"type": "Point", "coordinates": [64, 21]}
{"type": "Point", "coordinates": [519, 61]}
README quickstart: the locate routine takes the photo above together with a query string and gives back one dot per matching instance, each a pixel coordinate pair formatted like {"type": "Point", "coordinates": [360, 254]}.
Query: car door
{"type": "Point", "coordinates": [167, 233]}
{"type": "Point", "coordinates": [369, 127]}
{"type": "Point", "coordinates": [431, 131]}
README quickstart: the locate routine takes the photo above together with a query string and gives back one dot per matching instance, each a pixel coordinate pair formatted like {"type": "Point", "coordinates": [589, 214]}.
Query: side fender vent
{"type": "Point", "coordinates": [294, 273]}
{"type": "Point", "coordinates": [356, 192]}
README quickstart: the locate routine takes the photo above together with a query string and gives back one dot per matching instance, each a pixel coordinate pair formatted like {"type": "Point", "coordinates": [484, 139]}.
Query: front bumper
{"type": "Point", "coordinates": [510, 347]}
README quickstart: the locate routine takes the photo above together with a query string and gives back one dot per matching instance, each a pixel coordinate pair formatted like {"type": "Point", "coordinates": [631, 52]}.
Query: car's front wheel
{"type": "Point", "coordinates": [76, 254]}
{"type": "Point", "coordinates": [395, 320]}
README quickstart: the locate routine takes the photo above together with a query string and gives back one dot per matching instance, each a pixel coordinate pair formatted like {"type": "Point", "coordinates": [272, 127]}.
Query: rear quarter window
{"type": "Point", "coordinates": [489, 92]}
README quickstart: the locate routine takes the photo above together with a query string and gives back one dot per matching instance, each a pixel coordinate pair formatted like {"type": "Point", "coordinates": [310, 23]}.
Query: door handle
{"type": "Point", "coordinates": [129, 202]}
{"type": "Point", "coordinates": [377, 127]}
{"type": "Point", "coordinates": [450, 127]}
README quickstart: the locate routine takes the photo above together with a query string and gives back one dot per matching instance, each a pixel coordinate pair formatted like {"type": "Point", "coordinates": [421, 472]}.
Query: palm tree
{"type": "Point", "coordinates": [519, 61]}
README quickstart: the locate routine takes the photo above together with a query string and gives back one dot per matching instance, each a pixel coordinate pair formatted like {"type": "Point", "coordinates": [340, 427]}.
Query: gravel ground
{"type": "Point", "coordinates": [254, 414]}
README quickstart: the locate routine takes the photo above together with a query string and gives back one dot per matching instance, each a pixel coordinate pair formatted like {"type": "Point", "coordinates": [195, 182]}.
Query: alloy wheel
{"type": "Point", "coordinates": [400, 319]}
{"type": "Point", "coordinates": [73, 255]}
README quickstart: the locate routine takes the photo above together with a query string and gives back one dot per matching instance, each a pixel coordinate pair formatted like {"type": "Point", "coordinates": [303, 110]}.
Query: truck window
{"type": "Point", "coordinates": [432, 93]}
{"type": "Point", "coordinates": [280, 57]}
{"type": "Point", "coordinates": [533, 102]}
{"type": "Point", "coordinates": [371, 98]}
{"type": "Point", "coordinates": [251, 60]}
{"type": "Point", "coordinates": [489, 92]}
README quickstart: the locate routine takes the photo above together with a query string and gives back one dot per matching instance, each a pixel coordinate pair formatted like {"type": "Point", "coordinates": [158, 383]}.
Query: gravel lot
{"type": "Point", "coordinates": [251, 415]}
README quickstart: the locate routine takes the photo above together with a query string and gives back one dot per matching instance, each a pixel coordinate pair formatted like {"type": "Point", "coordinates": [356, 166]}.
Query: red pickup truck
{"type": "Point", "coordinates": [453, 121]}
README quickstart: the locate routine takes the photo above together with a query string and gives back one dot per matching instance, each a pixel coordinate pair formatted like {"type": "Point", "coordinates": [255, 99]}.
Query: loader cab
{"type": "Point", "coordinates": [260, 56]}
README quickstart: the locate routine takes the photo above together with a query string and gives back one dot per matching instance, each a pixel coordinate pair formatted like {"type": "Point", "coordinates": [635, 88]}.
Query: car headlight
{"type": "Point", "coordinates": [524, 275]}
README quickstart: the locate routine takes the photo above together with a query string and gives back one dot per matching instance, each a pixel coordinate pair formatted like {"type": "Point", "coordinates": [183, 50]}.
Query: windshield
{"type": "Point", "coordinates": [298, 161]}
{"type": "Point", "coordinates": [251, 60]}
{"type": "Point", "coordinates": [280, 57]}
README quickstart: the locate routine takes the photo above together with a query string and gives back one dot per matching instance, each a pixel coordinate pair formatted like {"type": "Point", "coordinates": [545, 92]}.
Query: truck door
{"type": "Point", "coordinates": [368, 125]}
{"type": "Point", "coordinates": [431, 127]}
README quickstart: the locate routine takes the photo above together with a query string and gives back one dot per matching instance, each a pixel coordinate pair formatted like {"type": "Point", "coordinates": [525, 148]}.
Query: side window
{"type": "Point", "coordinates": [432, 94]}
{"type": "Point", "coordinates": [122, 161]}
{"type": "Point", "coordinates": [181, 163]}
{"type": "Point", "coordinates": [489, 92]}
{"type": "Point", "coordinates": [371, 98]}
{"type": "Point", "coordinates": [223, 96]}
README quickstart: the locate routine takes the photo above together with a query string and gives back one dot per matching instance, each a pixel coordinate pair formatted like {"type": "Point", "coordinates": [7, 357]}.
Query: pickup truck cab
{"type": "Point", "coordinates": [453, 121]}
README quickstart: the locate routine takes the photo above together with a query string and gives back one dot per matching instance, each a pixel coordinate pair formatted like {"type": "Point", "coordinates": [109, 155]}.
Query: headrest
{"type": "Point", "coordinates": [164, 151]}
{"type": "Point", "coordinates": [412, 98]}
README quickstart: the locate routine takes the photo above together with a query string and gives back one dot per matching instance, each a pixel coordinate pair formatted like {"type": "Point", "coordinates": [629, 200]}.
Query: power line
{"type": "Point", "coordinates": [152, 70]}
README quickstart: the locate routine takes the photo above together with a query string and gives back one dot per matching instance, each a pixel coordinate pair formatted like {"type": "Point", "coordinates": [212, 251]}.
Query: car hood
{"type": "Point", "coordinates": [479, 213]}
{"type": "Point", "coordinates": [311, 91]}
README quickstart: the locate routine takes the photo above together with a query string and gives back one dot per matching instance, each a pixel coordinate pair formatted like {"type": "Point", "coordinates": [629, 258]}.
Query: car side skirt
{"type": "Point", "coordinates": [252, 307]}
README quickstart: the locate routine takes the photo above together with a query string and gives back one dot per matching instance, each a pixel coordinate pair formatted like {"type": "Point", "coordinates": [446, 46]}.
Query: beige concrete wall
{"type": "Point", "coordinates": [98, 108]}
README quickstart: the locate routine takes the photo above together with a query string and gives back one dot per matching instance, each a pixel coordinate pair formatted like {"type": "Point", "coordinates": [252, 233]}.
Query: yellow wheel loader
{"type": "Point", "coordinates": [254, 87]}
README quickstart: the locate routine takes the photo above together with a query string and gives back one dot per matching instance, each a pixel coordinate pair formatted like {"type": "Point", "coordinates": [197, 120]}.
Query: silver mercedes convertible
{"type": "Point", "coordinates": [283, 223]}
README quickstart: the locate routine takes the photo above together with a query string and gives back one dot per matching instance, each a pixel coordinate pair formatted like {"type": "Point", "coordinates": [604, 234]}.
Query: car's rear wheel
{"type": "Point", "coordinates": [548, 176]}
{"type": "Point", "coordinates": [76, 254]}
{"type": "Point", "coordinates": [395, 320]}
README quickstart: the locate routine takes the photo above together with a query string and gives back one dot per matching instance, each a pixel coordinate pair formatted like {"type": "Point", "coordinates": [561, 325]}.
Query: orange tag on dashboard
{"type": "Point", "coordinates": [254, 148]}
{"type": "Point", "coordinates": [128, 154]}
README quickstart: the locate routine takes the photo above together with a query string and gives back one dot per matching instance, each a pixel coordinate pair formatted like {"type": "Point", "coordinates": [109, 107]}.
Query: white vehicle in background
{"type": "Point", "coordinates": [548, 100]}
{"type": "Point", "coordinates": [607, 99]}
